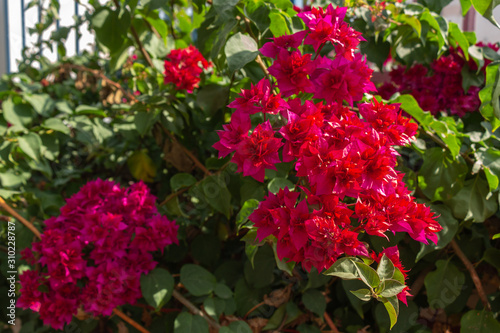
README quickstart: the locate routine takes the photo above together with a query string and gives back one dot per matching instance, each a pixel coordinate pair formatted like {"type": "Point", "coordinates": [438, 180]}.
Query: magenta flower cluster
{"type": "Point", "coordinates": [344, 158]}
{"type": "Point", "coordinates": [440, 87]}
{"type": "Point", "coordinates": [92, 255]}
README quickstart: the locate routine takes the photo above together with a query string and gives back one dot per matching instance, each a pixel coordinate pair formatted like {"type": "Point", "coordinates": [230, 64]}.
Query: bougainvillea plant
{"type": "Point", "coordinates": [344, 159]}
{"type": "Point", "coordinates": [92, 255]}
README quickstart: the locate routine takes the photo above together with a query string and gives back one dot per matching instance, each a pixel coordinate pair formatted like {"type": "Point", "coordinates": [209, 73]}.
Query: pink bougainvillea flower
{"type": "Point", "coordinates": [93, 254]}
{"type": "Point", "coordinates": [183, 68]}
{"type": "Point", "coordinates": [344, 159]}
{"type": "Point", "coordinates": [258, 152]}
{"type": "Point", "coordinates": [272, 49]}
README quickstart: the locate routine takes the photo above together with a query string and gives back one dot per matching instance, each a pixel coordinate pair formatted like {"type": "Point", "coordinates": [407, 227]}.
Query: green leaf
{"type": "Point", "coordinates": [476, 321]}
{"type": "Point", "coordinates": [262, 272]}
{"type": "Point", "coordinates": [188, 323]}
{"type": "Point", "coordinates": [344, 268]}
{"type": "Point", "coordinates": [248, 207]}
{"type": "Point", "coordinates": [144, 120]}
{"type": "Point", "coordinates": [197, 280]}
{"type": "Point", "coordinates": [89, 110]}
{"type": "Point", "coordinates": [410, 105]}
{"type": "Point", "coordinates": [240, 50]}
{"type": "Point", "coordinates": [214, 307]}
{"type": "Point", "coordinates": [385, 269]}
{"type": "Point", "coordinates": [355, 302]}
{"type": "Point", "coordinates": [314, 301]}
{"type": "Point", "coordinates": [367, 274]}
{"type": "Point", "coordinates": [159, 25]}
{"type": "Point", "coordinates": [391, 288]}
{"type": "Point", "coordinates": [450, 228]}
{"type": "Point", "coordinates": [56, 124]}
{"type": "Point", "coordinates": [278, 25]}
{"type": "Point", "coordinates": [223, 291]}
{"type": "Point", "coordinates": [485, 8]}
{"type": "Point", "coordinates": [279, 183]}
{"type": "Point", "coordinates": [212, 98]}
{"type": "Point", "coordinates": [236, 327]}
{"type": "Point", "coordinates": [413, 22]}
{"type": "Point", "coordinates": [441, 176]}
{"type": "Point", "coordinates": [199, 247]}
{"type": "Point", "coordinates": [490, 159]}
{"type": "Point", "coordinates": [180, 180]}
{"type": "Point", "coordinates": [492, 257]}
{"type": "Point", "coordinates": [276, 319]}
{"type": "Point", "coordinates": [392, 306]}
{"type": "Point", "coordinates": [42, 103]}
{"type": "Point", "coordinates": [472, 201]}
{"type": "Point", "coordinates": [111, 27]}
{"type": "Point", "coordinates": [429, 18]}
{"type": "Point", "coordinates": [460, 38]}
{"type": "Point", "coordinates": [490, 94]}
{"type": "Point", "coordinates": [157, 287]}
{"type": "Point", "coordinates": [17, 114]}
{"type": "Point", "coordinates": [225, 8]}
{"type": "Point", "coordinates": [465, 4]}
{"type": "Point", "coordinates": [216, 194]}
{"type": "Point", "coordinates": [363, 294]}
{"type": "Point", "coordinates": [258, 12]}
{"type": "Point", "coordinates": [444, 284]}
{"type": "Point", "coordinates": [31, 144]}
{"type": "Point", "coordinates": [153, 4]}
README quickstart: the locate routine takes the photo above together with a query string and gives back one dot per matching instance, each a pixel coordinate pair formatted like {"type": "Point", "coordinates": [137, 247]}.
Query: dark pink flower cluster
{"type": "Point", "coordinates": [438, 89]}
{"type": "Point", "coordinates": [92, 255]}
{"type": "Point", "coordinates": [345, 160]}
{"type": "Point", "coordinates": [183, 68]}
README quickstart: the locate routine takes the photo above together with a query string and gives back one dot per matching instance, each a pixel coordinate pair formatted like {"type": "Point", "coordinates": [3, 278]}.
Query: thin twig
{"type": "Point", "coordinates": [263, 66]}
{"type": "Point", "coordinates": [173, 195]}
{"type": "Point", "coordinates": [130, 321]}
{"type": "Point", "coordinates": [138, 41]}
{"type": "Point", "coordinates": [253, 309]}
{"type": "Point", "coordinates": [419, 282]}
{"type": "Point", "coordinates": [473, 274]}
{"type": "Point", "coordinates": [21, 219]}
{"type": "Point", "coordinates": [194, 310]}
{"type": "Point", "coordinates": [100, 74]}
{"type": "Point", "coordinates": [331, 323]}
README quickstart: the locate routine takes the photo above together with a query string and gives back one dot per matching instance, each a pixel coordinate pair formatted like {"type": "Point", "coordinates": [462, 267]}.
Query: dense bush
{"type": "Point", "coordinates": [263, 136]}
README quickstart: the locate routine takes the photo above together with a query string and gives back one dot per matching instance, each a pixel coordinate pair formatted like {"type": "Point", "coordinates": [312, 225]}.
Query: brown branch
{"type": "Point", "coordinates": [419, 282]}
{"type": "Point", "coordinates": [152, 28]}
{"type": "Point", "coordinates": [129, 320]}
{"type": "Point", "coordinates": [173, 195]}
{"type": "Point", "coordinates": [331, 323]}
{"type": "Point", "coordinates": [473, 274]}
{"type": "Point", "coordinates": [100, 74]}
{"type": "Point", "coordinates": [194, 310]}
{"type": "Point", "coordinates": [141, 47]}
{"type": "Point", "coordinates": [21, 219]}
{"type": "Point", "coordinates": [187, 152]}
{"type": "Point", "coordinates": [253, 309]}
{"type": "Point", "coordinates": [138, 41]}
